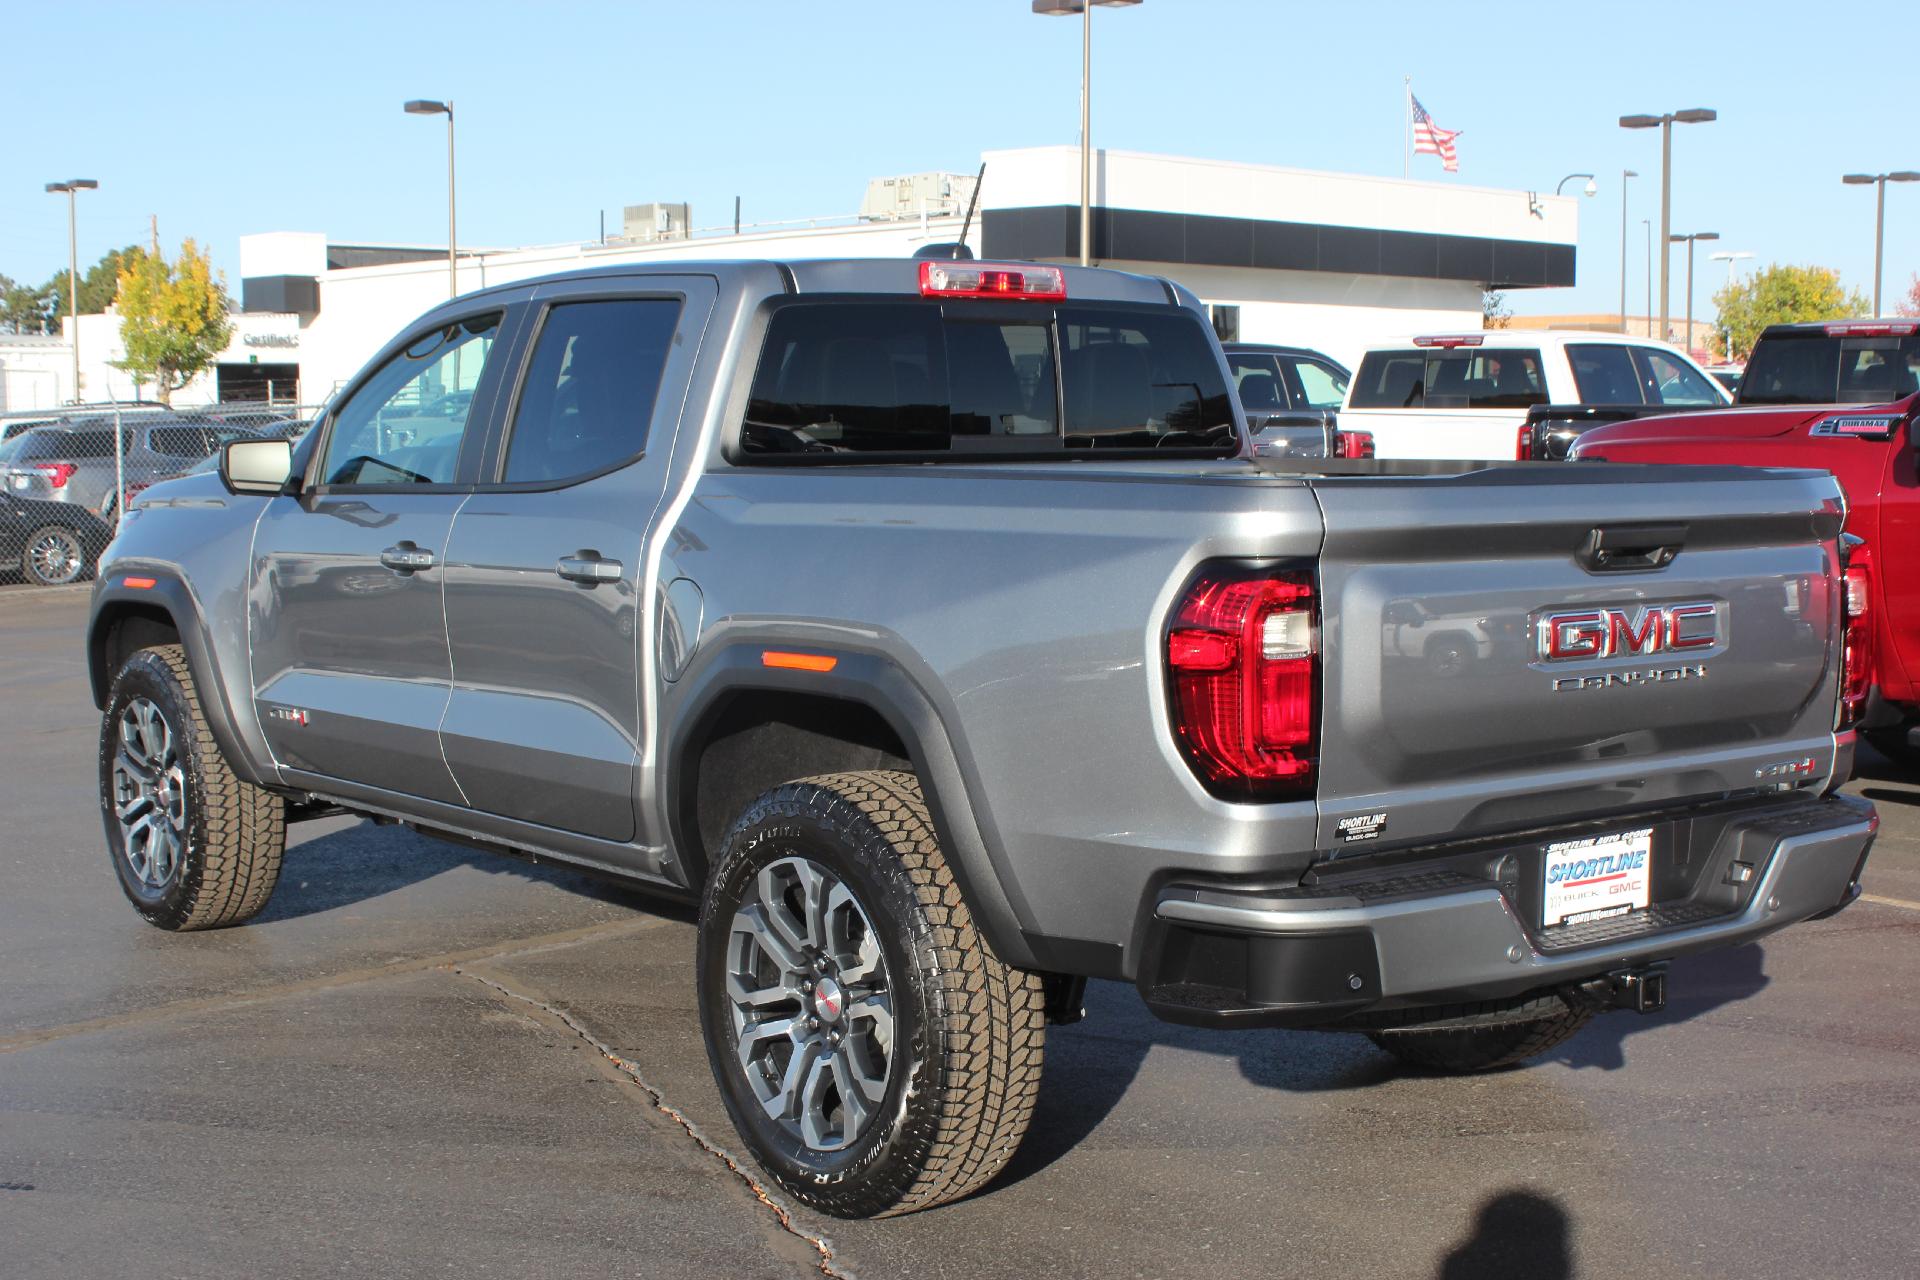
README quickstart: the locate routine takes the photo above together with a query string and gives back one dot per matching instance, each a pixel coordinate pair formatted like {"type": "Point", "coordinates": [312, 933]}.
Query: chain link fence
{"type": "Point", "coordinates": [66, 474]}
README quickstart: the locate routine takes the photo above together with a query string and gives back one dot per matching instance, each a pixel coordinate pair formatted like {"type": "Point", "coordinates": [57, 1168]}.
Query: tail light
{"type": "Point", "coordinates": [57, 473]}
{"type": "Point", "coordinates": [1018, 280]}
{"type": "Point", "coordinates": [1856, 636]}
{"type": "Point", "coordinates": [1355, 444]}
{"type": "Point", "coordinates": [1242, 655]}
{"type": "Point", "coordinates": [1523, 443]}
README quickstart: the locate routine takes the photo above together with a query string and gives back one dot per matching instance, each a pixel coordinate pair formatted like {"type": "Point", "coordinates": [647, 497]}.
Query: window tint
{"type": "Point", "coordinates": [1670, 381]}
{"type": "Point", "coordinates": [1256, 379]}
{"type": "Point", "coordinates": [179, 442]}
{"type": "Point", "coordinates": [1603, 373]}
{"type": "Point", "coordinates": [590, 389]}
{"type": "Point", "coordinates": [404, 425]}
{"type": "Point", "coordinates": [1818, 369]}
{"type": "Point", "coordinates": [74, 445]}
{"type": "Point", "coordinates": [1324, 385]}
{"type": "Point", "coordinates": [1138, 380]}
{"type": "Point", "coordinates": [1451, 378]}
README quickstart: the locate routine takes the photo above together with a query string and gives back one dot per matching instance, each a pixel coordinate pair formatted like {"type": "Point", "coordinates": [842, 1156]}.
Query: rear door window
{"type": "Point", "coordinates": [179, 442]}
{"type": "Point", "coordinates": [1667, 380]}
{"type": "Point", "coordinates": [1321, 385]}
{"type": "Point", "coordinates": [1604, 373]}
{"type": "Point", "coordinates": [589, 391]}
{"type": "Point", "coordinates": [911, 377]}
{"type": "Point", "coordinates": [1256, 379]}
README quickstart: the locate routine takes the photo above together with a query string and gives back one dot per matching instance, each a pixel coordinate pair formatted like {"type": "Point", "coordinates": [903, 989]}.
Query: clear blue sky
{"type": "Point", "coordinates": [224, 119]}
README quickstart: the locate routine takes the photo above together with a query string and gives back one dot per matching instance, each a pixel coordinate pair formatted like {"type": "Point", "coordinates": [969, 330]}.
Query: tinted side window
{"type": "Point", "coordinates": [179, 442]}
{"type": "Point", "coordinates": [1325, 387]}
{"type": "Point", "coordinates": [1257, 380]}
{"type": "Point", "coordinates": [1390, 380]}
{"type": "Point", "coordinates": [405, 423]}
{"type": "Point", "coordinates": [1138, 380]}
{"type": "Point", "coordinates": [1670, 381]}
{"type": "Point", "coordinates": [589, 392]}
{"type": "Point", "coordinates": [1603, 373]}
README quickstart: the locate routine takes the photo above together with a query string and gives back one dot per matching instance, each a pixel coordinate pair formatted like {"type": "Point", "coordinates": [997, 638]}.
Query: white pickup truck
{"type": "Point", "coordinates": [1467, 395]}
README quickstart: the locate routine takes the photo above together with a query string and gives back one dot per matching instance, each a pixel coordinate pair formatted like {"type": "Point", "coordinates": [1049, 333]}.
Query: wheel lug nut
{"type": "Point", "coordinates": [807, 985]}
{"type": "Point", "coordinates": [813, 1024]}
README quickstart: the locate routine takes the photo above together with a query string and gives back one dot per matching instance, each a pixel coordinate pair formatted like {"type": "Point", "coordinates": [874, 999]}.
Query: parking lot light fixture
{"type": "Point", "coordinates": [1624, 175]}
{"type": "Point", "coordinates": [1879, 182]}
{"type": "Point", "coordinates": [428, 107]}
{"type": "Point", "coordinates": [1690, 238]}
{"type": "Point", "coordinates": [1084, 8]}
{"type": "Point", "coordinates": [1665, 123]}
{"type": "Point", "coordinates": [71, 188]}
{"type": "Point", "coordinates": [1589, 190]}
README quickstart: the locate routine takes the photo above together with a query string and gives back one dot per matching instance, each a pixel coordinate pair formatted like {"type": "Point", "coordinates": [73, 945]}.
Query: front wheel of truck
{"type": "Point", "coordinates": [1464, 1041]}
{"type": "Point", "coordinates": [193, 845]}
{"type": "Point", "coordinates": [874, 1054]}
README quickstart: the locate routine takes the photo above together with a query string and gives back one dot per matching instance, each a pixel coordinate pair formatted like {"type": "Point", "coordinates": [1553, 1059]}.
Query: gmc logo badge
{"type": "Point", "coordinates": [1618, 633]}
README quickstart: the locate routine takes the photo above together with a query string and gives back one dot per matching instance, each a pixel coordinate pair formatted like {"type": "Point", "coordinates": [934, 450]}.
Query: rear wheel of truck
{"type": "Point", "coordinates": [874, 1054]}
{"type": "Point", "coordinates": [1466, 1040]}
{"type": "Point", "coordinates": [194, 847]}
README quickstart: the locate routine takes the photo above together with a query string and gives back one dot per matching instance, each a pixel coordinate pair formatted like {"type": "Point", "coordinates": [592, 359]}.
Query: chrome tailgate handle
{"type": "Point", "coordinates": [407, 558]}
{"type": "Point", "coordinates": [589, 569]}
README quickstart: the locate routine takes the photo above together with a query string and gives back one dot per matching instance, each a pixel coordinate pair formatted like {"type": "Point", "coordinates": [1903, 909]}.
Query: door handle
{"type": "Point", "coordinates": [588, 568]}
{"type": "Point", "coordinates": [407, 558]}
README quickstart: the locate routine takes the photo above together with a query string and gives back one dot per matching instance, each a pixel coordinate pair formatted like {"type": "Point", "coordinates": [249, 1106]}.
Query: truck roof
{"type": "Point", "coordinates": [1506, 339]}
{"type": "Point", "coordinates": [862, 275]}
{"type": "Point", "coordinates": [1898, 327]}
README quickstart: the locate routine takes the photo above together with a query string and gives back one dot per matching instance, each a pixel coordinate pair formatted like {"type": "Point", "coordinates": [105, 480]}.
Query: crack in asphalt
{"type": "Point", "coordinates": [353, 977]}
{"type": "Point", "coordinates": [631, 1070]}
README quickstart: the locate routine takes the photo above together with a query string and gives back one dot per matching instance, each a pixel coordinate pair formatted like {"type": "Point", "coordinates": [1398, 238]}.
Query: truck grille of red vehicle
{"type": "Point", "coordinates": [1243, 660]}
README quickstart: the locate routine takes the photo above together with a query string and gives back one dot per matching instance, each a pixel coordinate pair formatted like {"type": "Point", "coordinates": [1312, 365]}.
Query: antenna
{"type": "Point", "coordinates": [972, 204]}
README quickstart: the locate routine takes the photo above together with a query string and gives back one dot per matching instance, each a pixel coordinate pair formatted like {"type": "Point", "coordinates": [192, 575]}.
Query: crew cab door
{"type": "Point", "coordinates": [546, 574]}
{"type": "Point", "coordinates": [348, 632]}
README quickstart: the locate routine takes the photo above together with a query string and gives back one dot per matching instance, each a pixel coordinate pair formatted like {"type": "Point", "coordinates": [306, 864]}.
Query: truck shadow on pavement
{"type": "Point", "coordinates": [1092, 1065]}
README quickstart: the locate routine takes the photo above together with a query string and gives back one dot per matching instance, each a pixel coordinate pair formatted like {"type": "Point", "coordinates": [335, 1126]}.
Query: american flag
{"type": "Point", "coordinates": [1432, 139]}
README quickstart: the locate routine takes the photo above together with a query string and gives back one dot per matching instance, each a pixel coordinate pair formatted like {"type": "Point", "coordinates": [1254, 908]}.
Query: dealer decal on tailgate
{"type": "Point", "coordinates": [1598, 876]}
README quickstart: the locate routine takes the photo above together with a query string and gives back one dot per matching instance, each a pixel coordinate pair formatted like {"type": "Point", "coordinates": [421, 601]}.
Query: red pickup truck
{"type": "Point", "coordinates": [1841, 397]}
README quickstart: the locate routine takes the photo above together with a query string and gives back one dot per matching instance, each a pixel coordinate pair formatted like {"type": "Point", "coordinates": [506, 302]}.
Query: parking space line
{"type": "Point", "coordinates": [1902, 903]}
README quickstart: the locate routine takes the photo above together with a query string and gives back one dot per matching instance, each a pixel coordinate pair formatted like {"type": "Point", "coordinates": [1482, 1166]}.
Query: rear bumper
{"type": "Point", "coordinates": [1220, 955]}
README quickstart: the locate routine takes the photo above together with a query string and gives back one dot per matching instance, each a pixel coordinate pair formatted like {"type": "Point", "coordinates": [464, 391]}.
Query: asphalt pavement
{"type": "Point", "coordinates": [426, 1060]}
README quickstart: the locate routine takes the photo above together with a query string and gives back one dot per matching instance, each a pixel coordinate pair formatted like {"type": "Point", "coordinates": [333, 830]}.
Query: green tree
{"type": "Point", "coordinates": [173, 317]}
{"type": "Point", "coordinates": [1494, 311]}
{"type": "Point", "coordinates": [1780, 295]}
{"type": "Point", "coordinates": [99, 285]}
{"type": "Point", "coordinates": [24, 309]}
{"type": "Point", "coordinates": [1910, 303]}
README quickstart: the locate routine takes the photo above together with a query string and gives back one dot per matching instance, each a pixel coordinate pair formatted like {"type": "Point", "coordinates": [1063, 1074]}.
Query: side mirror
{"type": "Point", "coordinates": [256, 466]}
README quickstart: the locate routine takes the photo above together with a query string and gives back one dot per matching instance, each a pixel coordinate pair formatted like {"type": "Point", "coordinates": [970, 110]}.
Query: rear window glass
{"type": "Point", "coordinates": [1257, 380]}
{"type": "Point", "coordinates": [908, 377]}
{"type": "Point", "coordinates": [1603, 373]}
{"type": "Point", "coordinates": [1822, 369]}
{"type": "Point", "coordinates": [71, 444]}
{"type": "Point", "coordinates": [1450, 378]}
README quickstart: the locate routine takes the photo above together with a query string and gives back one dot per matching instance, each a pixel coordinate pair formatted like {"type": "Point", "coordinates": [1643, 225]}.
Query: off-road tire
{"type": "Point", "coordinates": [236, 833]}
{"type": "Point", "coordinates": [1467, 1038]}
{"type": "Point", "coordinates": [968, 1029]}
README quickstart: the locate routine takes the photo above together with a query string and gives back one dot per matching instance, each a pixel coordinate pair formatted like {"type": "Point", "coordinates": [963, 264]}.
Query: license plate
{"type": "Point", "coordinates": [18, 482]}
{"type": "Point", "coordinates": [1597, 877]}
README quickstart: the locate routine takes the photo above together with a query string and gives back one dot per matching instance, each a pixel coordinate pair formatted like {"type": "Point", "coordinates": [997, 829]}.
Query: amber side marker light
{"type": "Point", "coordinates": [138, 584]}
{"type": "Point", "coordinates": [798, 661]}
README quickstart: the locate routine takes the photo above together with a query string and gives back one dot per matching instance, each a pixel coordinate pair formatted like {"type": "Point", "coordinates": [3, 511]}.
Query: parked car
{"type": "Point", "coordinates": [930, 624]}
{"type": "Point", "coordinates": [1468, 395]}
{"type": "Point", "coordinates": [74, 462]}
{"type": "Point", "coordinates": [1291, 397]}
{"type": "Point", "coordinates": [49, 543]}
{"type": "Point", "coordinates": [1802, 406]}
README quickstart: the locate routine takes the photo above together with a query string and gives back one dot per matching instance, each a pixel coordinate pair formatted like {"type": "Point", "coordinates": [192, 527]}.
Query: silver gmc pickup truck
{"type": "Point", "coordinates": [931, 625]}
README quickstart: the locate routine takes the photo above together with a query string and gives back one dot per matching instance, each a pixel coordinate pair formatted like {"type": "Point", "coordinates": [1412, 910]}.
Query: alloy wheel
{"type": "Point", "coordinates": [149, 794]}
{"type": "Point", "coordinates": [811, 1004]}
{"type": "Point", "coordinates": [56, 557]}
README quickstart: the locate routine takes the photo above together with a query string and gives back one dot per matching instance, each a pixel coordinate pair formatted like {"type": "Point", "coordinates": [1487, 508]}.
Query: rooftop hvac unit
{"type": "Point", "coordinates": [649, 222]}
{"type": "Point", "coordinates": [895, 199]}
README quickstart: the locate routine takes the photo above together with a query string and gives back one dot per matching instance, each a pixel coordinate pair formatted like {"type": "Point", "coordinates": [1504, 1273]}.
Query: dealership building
{"type": "Point", "coordinates": [1324, 260]}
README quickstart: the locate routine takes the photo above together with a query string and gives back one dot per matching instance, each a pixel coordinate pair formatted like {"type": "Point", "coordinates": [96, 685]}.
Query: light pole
{"type": "Point", "coordinates": [1879, 181]}
{"type": "Point", "coordinates": [1560, 188]}
{"type": "Point", "coordinates": [1665, 123]}
{"type": "Point", "coordinates": [1646, 225]}
{"type": "Point", "coordinates": [1624, 175]}
{"type": "Point", "coordinates": [1729, 257]}
{"type": "Point", "coordinates": [1687, 346]}
{"type": "Point", "coordinates": [71, 188]}
{"type": "Point", "coordinates": [428, 107]}
{"type": "Point", "coordinates": [1063, 8]}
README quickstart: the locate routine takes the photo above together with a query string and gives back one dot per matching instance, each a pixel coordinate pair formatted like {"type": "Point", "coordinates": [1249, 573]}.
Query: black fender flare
{"type": "Point", "coordinates": [875, 681]}
{"type": "Point", "coordinates": [168, 594]}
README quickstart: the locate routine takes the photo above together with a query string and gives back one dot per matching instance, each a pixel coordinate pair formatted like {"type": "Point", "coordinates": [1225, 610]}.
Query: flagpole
{"type": "Point", "coordinates": [1406, 132]}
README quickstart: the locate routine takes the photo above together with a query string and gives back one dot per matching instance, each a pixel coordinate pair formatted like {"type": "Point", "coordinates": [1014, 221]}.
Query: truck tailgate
{"type": "Point", "coordinates": [1485, 671]}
